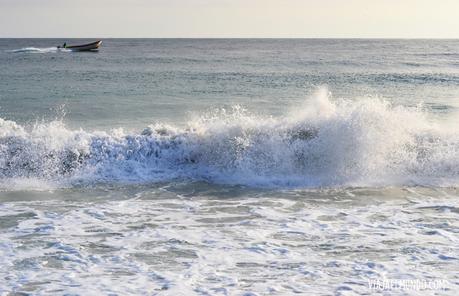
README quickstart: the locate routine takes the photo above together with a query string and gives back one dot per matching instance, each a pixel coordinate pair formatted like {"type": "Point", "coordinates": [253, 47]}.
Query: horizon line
{"type": "Point", "coordinates": [349, 38]}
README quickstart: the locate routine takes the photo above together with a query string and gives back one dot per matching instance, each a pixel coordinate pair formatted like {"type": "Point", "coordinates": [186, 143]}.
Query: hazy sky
{"type": "Point", "coordinates": [230, 18]}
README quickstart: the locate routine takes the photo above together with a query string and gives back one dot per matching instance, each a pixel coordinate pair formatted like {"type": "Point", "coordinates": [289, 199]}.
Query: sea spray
{"type": "Point", "coordinates": [332, 143]}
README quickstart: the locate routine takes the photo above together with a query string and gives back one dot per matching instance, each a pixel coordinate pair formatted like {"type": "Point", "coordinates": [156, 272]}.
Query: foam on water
{"type": "Point", "coordinates": [325, 142]}
{"type": "Point", "coordinates": [239, 246]}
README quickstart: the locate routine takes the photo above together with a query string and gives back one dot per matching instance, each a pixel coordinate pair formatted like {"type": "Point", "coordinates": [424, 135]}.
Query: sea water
{"type": "Point", "coordinates": [229, 167]}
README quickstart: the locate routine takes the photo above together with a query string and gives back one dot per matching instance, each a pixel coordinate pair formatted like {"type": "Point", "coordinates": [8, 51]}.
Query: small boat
{"type": "Point", "coordinates": [83, 47]}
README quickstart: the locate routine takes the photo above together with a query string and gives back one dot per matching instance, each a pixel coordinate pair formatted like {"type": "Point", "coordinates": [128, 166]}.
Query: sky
{"type": "Point", "coordinates": [230, 18]}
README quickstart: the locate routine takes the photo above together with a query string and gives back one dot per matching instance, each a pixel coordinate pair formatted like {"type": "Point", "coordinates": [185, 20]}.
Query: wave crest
{"type": "Point", "coordinates": [322, 143]}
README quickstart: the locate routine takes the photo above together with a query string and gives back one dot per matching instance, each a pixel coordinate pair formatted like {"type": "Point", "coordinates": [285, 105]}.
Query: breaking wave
{"type": "Point", "coordinates": [323, 143]}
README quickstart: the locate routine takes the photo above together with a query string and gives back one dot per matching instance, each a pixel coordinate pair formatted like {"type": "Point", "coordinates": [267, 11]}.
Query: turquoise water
{"type": "Point", "coordinates": [224, 167]}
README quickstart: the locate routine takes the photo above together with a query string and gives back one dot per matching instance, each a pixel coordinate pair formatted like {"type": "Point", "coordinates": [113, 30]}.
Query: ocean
{"type": "Point", "coordinates": [229, 167]}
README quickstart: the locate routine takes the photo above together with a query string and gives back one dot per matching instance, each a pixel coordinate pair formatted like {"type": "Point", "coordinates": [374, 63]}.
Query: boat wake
{"type": "Point", "coordinates": [39, 50]}
{"type": "Point", "coordinates": [327, 143]}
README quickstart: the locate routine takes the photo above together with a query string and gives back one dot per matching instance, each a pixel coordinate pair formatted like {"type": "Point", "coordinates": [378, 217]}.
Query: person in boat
{"type": "Point", "coordinates": [63, 46]}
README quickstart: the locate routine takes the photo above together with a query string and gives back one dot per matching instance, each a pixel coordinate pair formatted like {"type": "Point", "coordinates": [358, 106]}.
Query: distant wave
{"type": "Point", "coordinates": [322, 143]}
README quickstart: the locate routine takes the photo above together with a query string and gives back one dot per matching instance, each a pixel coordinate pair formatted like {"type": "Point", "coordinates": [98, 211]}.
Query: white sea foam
{"type": "Point", "coordinates": [238, 246]}
{"type": "Point", "coordinates": [325, 142]}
